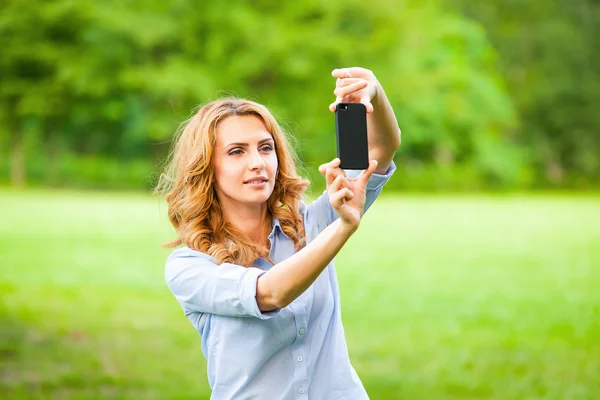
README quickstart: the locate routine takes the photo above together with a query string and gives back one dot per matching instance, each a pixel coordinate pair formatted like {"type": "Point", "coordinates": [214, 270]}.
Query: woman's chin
{"type": "Point", "coordinates": [258, 198]}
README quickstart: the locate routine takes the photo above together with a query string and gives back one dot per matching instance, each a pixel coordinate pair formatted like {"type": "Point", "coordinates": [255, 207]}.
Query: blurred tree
{"type": "Point", "coordinates": [31, 41]}
{"type": "Point", "coordinates": [550, 54]}
{"type": "Point", "coordinates": [122, 75]}
{"type": "Point", "coordinates": [448, 97]}
{"type": "Point", "coordinates": [43, 60]}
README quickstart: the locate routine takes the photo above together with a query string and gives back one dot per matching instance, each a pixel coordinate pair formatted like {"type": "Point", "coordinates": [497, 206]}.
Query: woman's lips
{"type": "Point", "coordinates": [259, 183]}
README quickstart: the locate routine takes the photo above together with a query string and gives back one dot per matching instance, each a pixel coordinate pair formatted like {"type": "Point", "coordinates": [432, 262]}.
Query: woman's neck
{"type": "Point", "coordinates": [255, 223]}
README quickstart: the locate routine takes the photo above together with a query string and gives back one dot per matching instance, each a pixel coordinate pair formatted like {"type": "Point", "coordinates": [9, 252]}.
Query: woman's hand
{"type": "Point", "coordinates": [359, 85]}
{"type": "Point", "coordinates": [355, 85]}
{"type": "Point", "coordinates": [347, 195]}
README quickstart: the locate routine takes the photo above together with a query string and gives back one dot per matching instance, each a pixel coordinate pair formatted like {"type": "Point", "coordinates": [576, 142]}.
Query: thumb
{"type": "Point", "coordinates": [366, 174]}
{"type": "Point", "coordinates": [366, 100]}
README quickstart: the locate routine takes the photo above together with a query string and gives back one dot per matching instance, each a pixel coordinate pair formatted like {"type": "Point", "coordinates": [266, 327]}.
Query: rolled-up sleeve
{"type": "Point", "coordinates": [201, 285]}
{"type": "Point", "coordinates": [322, 210]}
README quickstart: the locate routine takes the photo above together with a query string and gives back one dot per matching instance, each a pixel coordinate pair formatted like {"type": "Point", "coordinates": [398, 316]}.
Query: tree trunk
{"type": "Point", "coordinates": [18, 175]}
{"type": "Point", "coordinates": [53, 152]}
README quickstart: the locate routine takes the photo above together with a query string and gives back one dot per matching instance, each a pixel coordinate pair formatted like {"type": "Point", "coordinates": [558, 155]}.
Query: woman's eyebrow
{"type": "Point", "coordinates": [240, 144]}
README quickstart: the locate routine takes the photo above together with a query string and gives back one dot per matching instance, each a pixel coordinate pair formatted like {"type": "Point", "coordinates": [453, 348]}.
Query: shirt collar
{"type": "Point", "coordinates": [277, 226]}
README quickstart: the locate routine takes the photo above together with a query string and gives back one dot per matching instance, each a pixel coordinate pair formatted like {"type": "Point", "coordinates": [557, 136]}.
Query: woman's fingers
{"type": "Point", "coordinates": [344, 91]}
{"type": "Point", "coordinates": [338, 183]}
{"type": "Point", "coordinates": [338, 198]}
{"type": "Point", "coordinates": [331, 171]}
{"type": "Point", "coordinates": [339, 191]}
{"type": "Point", "coordinates": [331, 164]}
{"type": "Point", "coordinates": [352, 72]}
{"type": "Point", "coordinates": [341, 82]}
{"type": "Point", "coordinates": [345, 88]}
{"type": "Point", "coordinates": [365, 175]}
{"type": "Point", "coordinates": [366, 100]}
{"type": "Point", "coordinates": [349, 82]}
{"type": "Point", "coordinates": [330, 176]}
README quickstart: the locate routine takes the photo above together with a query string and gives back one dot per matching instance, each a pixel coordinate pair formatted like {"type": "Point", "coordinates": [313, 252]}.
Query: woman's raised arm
{"type": "Point", "coordinates": [287, 280]}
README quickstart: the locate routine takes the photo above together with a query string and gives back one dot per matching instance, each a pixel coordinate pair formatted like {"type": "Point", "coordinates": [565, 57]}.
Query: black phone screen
{"type": "Point", "coordinates": [351, 133]}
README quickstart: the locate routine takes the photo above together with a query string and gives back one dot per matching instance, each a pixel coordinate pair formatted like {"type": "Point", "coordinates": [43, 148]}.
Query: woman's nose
{"type": "Point", "coordinates": [256, 161]}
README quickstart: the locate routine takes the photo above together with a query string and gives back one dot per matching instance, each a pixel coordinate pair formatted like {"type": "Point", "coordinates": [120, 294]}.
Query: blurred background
{"type": "Point", "coordinates": [493, 215]}
{"type": "Point", "coordinates": [496, 95]}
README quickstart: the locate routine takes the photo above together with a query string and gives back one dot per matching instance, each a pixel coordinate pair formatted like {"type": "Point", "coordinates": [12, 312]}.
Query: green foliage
{"type": "Point", "coordinates": [550, 57]}
{"type": "Point", "coordinates": [113, 79]}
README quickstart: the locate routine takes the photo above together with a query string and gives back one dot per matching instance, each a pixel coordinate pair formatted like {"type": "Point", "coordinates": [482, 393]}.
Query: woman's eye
{"type": "Point", "coordinates": [239, 151]}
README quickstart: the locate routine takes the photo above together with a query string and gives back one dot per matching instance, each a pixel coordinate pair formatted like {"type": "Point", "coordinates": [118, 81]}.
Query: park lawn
{"type": "Point", "coordinates": [444, 297]}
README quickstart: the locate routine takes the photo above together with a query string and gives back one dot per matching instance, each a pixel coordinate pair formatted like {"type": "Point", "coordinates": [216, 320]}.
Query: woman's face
{"type": "Point", "coordinates": [245, 161]}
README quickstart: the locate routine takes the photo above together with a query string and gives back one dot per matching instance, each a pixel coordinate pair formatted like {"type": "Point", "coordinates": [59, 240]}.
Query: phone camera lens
{"type": "Point", "coordinates": [343, 107]}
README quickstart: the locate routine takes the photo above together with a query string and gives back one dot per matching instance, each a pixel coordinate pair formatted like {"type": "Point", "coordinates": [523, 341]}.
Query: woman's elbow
{"type": "Point", "coordinates": [268, 299]}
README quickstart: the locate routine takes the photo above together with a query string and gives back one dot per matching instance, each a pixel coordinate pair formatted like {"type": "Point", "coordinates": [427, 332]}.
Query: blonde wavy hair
{"type": "Point", "coordinates": [194, 208]}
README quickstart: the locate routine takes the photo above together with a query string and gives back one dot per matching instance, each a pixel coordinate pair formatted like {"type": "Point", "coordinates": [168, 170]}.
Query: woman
{"type": "Point", "coordinates": [255, 276]}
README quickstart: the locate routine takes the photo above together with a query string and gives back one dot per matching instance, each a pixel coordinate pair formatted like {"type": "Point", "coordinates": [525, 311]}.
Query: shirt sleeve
{"type": "Point", "coordinates": [322, 210]}
{"type": "Point", "coordinates": [201, 285]}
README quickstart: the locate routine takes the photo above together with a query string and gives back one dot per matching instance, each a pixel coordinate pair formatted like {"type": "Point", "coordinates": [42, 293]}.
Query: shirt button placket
{"type": "Point", "coordinates": [299, 349]}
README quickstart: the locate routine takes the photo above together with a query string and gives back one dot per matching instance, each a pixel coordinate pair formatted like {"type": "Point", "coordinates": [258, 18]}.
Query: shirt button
{"type": "Point", "coordinates": [302, 331]}
{"type": "Point", "coordinates": [301, 390]}
{"type": "Point", "coordinates": [299, 358]}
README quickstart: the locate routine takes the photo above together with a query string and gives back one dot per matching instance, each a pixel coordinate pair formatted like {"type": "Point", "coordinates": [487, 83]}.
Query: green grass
{"type": "Point", "coordinates": [443, 298]}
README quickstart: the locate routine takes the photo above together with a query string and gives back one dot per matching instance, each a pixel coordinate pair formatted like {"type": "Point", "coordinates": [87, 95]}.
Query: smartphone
{"type": "Point", "coordinates": [351, 134]}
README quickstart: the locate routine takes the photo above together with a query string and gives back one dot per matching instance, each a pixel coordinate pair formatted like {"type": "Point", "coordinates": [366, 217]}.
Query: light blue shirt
{"type": "Point", "coordinates": [297, 352]}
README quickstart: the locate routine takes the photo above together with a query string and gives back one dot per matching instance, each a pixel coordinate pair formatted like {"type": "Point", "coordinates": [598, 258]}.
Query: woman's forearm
{"type": "Point", "coordinates": [384, 133]}
{"type": "Point", "coordinates": [287, 280]}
